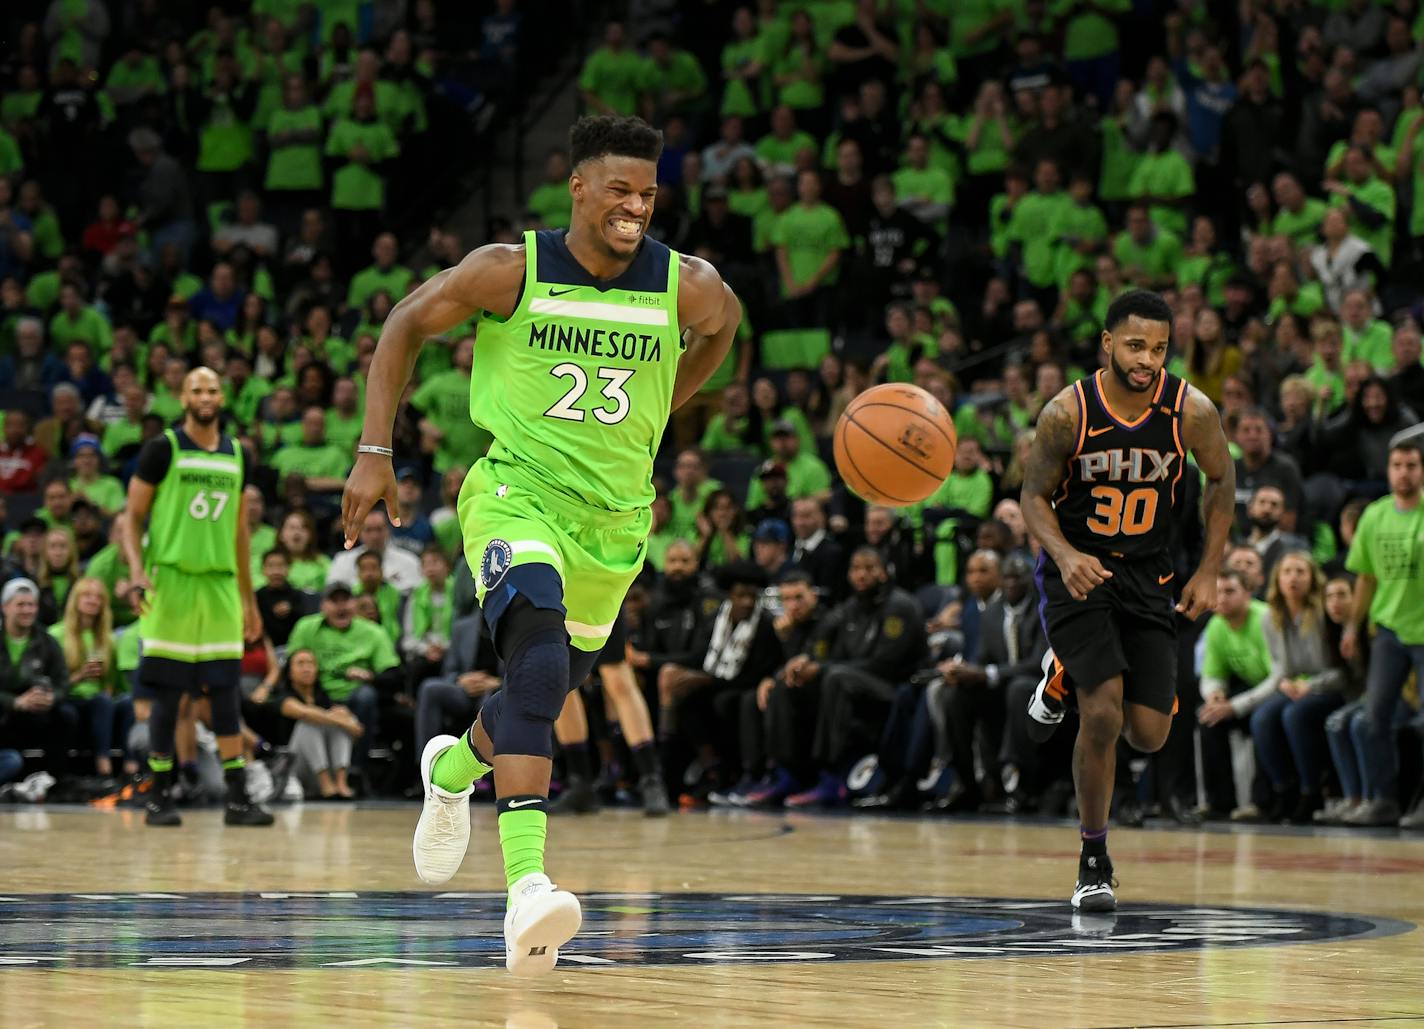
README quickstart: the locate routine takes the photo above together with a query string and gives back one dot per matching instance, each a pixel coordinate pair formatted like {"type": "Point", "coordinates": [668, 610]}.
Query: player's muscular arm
{"type": "Point", "coordinates": [486, 280]}
{"type": "Point", "coordinates": [140, 502]}
{"type": "Point", "coordinates": [1055, 439]}
{"type": "Point", "coordinates": [1203, 437]}
{"type": "Point", "coordinates": [709, 314]}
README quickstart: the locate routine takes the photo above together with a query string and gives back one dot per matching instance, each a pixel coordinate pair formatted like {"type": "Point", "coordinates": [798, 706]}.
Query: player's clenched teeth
{"type": "Point", "coordinates": [627, 226]}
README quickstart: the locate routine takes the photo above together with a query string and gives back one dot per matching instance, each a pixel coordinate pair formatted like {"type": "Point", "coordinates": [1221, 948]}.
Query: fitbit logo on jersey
{"type": "Point", "coordinates": [1135, 465]}
{"type": "Point", "coordinates": [494, 566]}
{"type": "Point", "coordinates": [624, 345]}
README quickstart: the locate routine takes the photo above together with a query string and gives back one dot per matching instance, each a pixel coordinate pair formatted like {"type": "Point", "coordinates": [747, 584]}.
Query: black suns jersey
{"type": "Point", "coordinates": [1122, 479]}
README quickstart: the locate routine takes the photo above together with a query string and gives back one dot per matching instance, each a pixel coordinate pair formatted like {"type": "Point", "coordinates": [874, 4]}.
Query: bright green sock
{"type": "Point", "coordinates": [457, 767]}
{"type": "Point", "coordinates": [160, 764]}
{"type": "Point", "coordinates": [523, 825]}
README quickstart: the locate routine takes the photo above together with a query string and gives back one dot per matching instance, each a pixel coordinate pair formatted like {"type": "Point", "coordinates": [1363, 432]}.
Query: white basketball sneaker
{"type": "Point", "coordinates": [541, 919]}
{"type": "Point", "coordinates": [443, 832]}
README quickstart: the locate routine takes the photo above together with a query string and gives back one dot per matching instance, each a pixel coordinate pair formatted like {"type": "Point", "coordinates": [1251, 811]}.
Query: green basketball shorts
{"type": "Point", "coordinates": [192, 618]}
{"type": "Point", "coordinates": [560, 554]}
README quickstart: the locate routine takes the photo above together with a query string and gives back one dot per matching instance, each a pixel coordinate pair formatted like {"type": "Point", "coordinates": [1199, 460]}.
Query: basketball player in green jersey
{"type": "Point", "coordinates": [586, 341]}
{"type": "Point", "coordinates": [193, 583]}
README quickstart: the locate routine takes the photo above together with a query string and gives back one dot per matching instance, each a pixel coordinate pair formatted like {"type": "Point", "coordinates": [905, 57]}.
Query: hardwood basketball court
{"type": "Point", "coordinates": [727, 919]}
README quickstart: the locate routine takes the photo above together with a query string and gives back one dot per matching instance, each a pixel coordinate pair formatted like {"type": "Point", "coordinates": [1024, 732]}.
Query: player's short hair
{"type": "Point", "coordinates": [604, 135]}
{"type": "Point", "coordinates": [1141, 303]}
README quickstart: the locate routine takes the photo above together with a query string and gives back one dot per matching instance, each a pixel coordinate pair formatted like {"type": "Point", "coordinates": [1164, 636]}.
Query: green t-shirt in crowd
{"type": "Point", "coordinates": [1090, 33]}
{"type": "Point", "coordinates": [46, 237]}
{"type": "Point", "coordinates": [225, 140]}
{"type": "Point", "coordinates": [1373, 344]}
{"type": "Point", "coordinates": [810, 235]}
{"type": "Point", "coordinates": [105, 492]}
{"type": "Point", "coordinates": [309, 574]}
{"type": "Point", "coordinates": [1301, 227]}
{"type": "Point", "coordinates": [388, 603]}
{"type": "Point", "coordinates": [342, 431]}
{"type": "Point", "coordinates": [1119, 161]}
{"type": "Point", "coordinates": [683, 522]}
{"type": "Point", "coordinates": [973, 492]}
{"type": "Point", "coordinates": [1378, 196]}
{"type": "Point", "coordinates": [1154, 260]}
{"type": "Point", "coordinates": [118, 435]}
{"type": "Point", "coordinates": [89, 326]}
{"type": "Point", "coordinates": [1077, 223]}
{"type": "Point", "coordinates": [553, 203]}
{"type": "Point", "coordinates": [1239, 654]}
{"type": "Point", "coordinates": [445, 400]}
{"type": "Point", "coordinates": [322, 462]}
{"type": "Point", "coordinates": [775, 151]}
{"type": "Point", "coordinates": [295, 165]}
{"type": "Point", "coordinates": [1387, 546]}
{"type": "Point", "coordinates": [740, 98]}
{"type": "Point", "coordinates": [1165, 175]}
{"type": "Point", "coordinates": [1034, 226]}
{"type": "Point", "coordinates": [362, 644]}
{"type": "Point", "coordinates": [357, 186]}
{"type": "Point", "coordinates": [615, 77]}
{"type": "Point", "coordinates": [719, 437]}
{"type": "Point", "coordinates": [682, 74]}
{"type": "Point", "coordinates": [369, 281]}
{"type": "Point", "coordinates": [806, 476]}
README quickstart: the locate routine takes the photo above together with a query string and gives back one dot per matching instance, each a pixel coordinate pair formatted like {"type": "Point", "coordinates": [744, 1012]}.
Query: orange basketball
{"type": "Point", "coordinates": [895, 444]}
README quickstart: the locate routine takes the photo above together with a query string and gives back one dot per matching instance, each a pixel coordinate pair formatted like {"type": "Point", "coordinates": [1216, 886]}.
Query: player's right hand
{"type": "Point", "coordinates": [1081, 573]}
{"type": "Point", "coordinates": [140, 592]}
{"type": "Point", "coordinates": [372, 478]}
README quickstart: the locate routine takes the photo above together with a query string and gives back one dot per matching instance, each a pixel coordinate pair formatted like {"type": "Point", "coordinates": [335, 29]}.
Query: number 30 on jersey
{"type": "Point", "coordinates": [614, 380]}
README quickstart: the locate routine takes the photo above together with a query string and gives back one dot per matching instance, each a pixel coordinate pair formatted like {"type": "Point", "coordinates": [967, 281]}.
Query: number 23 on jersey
{"type": "Point", "coordinates": [614, 379]}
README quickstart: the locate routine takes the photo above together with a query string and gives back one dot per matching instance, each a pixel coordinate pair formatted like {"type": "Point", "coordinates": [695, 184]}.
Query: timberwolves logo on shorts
{"type": "Point", "coordinates": [351, 931]}
{"type": "Point", "coordinates": [494, 566]}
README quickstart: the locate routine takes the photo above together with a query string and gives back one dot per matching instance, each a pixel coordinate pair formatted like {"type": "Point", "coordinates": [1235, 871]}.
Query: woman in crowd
{"type": "Point", "coordinates": [58, 571]}
{"type": "Point", "coordinates": [309, 564]}
{"type": "Point", "coordinates": [323, 732]}
{"type": "Point", "coordinates": [1306, 684]}
{"type": "Point", "coordinates": [720, 535]}
{"type": "Point", "coordinates": [1344, 729]}
{"type": "Point", "coordinates": [86, 635]}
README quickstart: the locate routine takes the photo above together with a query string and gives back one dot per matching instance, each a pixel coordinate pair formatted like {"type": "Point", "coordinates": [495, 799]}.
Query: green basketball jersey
{"type": "Point", "coordinates": [576, 384]}
{"type": "Point", "coordinates": [193, 523]}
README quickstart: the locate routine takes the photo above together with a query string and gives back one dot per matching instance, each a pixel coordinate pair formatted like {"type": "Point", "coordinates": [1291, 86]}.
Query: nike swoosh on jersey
{"type": "Point", "coordinates": [561, 292]}
{"type": "Point", "coordinates": [1099, 432]}
{"type": "Point", "coordinates": [1162, 580]}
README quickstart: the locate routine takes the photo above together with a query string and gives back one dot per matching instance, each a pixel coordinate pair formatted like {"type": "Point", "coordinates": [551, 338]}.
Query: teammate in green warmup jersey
{"type": "Point", "coordinates": [587, 340]}
{"type": "Point", "coordinates": [192, 579]}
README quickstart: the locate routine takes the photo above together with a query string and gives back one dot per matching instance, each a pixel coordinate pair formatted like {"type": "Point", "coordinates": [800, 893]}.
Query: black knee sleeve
{"type": "Point", "coordinates": [163, 721]}
{"type": "Point", "coordinates": [535, 647]}
{"type": "Point", "coordinates": [226, 705]}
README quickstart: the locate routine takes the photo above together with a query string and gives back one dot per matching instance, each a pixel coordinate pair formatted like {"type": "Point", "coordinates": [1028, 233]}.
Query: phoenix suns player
{"type": "Point", "coordinates": [586, 340]}
{"type": "Point", "coordinates": [192, 577]}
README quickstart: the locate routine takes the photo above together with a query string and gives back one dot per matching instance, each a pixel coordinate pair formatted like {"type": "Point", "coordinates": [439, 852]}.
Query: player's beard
{"type": "Point", "coordinates": [1125, 377]}
{"type": "Point", "coordinates": [202, 418]}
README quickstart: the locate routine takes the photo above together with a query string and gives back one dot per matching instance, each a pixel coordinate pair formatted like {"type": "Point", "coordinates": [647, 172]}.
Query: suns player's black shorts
{"type": "Point", "coordinates": [616, 648]}
{"type": "Point", "coordinates": [1126, 626]}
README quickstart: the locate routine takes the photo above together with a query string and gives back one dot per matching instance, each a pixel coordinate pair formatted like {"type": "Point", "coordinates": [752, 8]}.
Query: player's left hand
{"type": "Point", "coordinates": [1198, 596]}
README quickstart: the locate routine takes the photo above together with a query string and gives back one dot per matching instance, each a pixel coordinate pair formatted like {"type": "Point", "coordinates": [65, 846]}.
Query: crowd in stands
{"type": "Point", "coordinates": [939, 192]}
